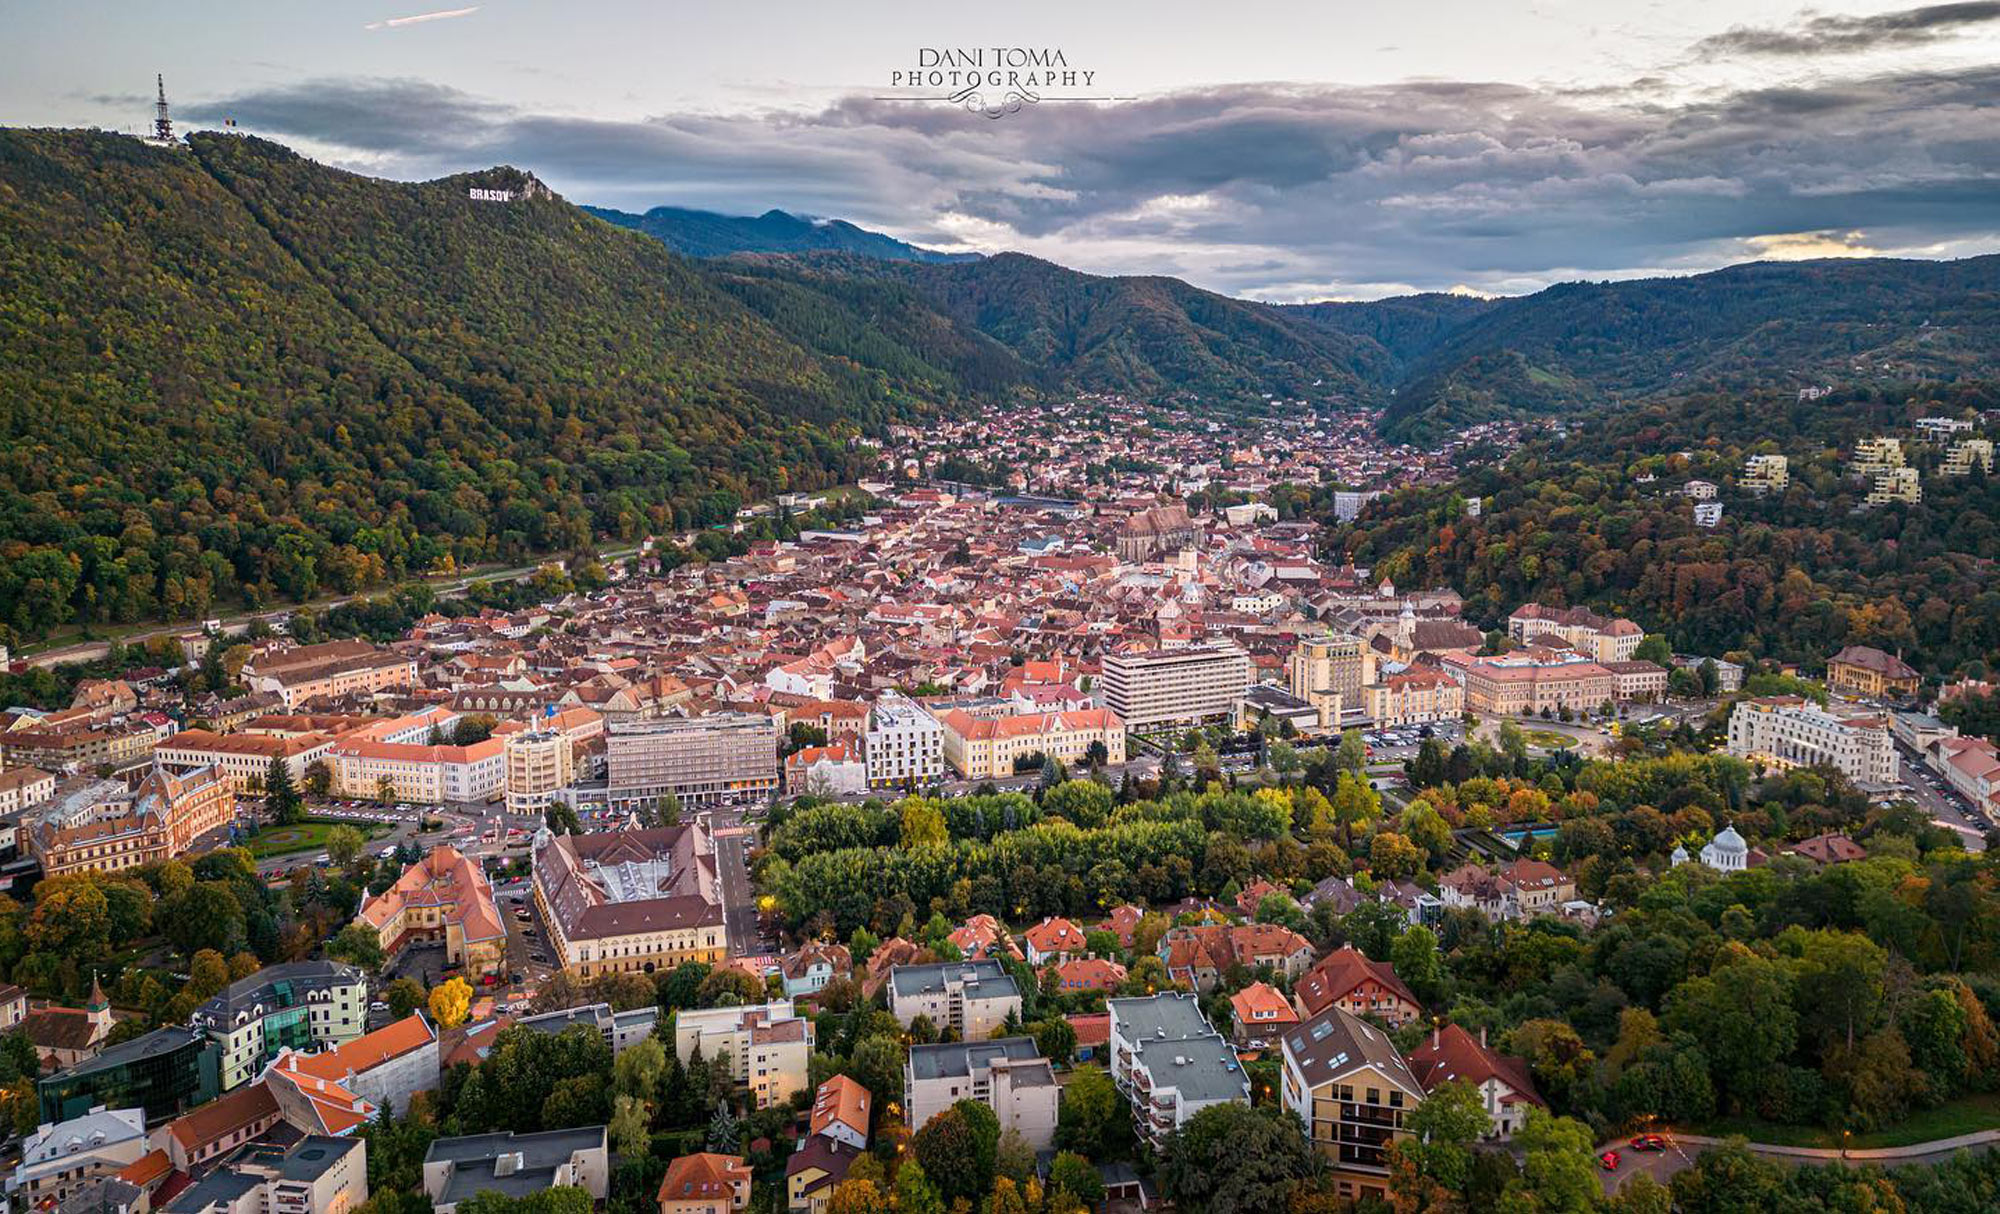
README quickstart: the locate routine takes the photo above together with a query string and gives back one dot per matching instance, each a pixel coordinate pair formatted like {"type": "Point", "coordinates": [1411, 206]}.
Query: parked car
{"type": "Point", "coordinates": [1608, 1161]}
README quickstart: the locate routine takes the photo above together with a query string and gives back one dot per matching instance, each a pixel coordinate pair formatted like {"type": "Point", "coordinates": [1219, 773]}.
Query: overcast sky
{"type": "Point", "coordinates": [1269, 148]}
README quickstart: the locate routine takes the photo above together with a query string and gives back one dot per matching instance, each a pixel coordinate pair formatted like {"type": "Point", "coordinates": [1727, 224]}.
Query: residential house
{"type": "Point", "coordinates": [1504, 1085]}
{"type": "Point", "coordinates": [1260, 1013]}
{"type": "Point", "coordinates": [705, 1183]}
{"type": "Point", "coordinates": [1351, 1092]}
{"type": "Point", "coordinates": [1348, 979]}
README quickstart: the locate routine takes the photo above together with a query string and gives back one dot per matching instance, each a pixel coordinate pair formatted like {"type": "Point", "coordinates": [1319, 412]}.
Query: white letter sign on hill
{"type": "Point", "coordinates": [479, 195]}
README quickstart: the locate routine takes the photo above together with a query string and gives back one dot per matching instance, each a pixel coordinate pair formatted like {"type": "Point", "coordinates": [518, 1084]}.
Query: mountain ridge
{"type": "Point", "coordinates": [698, 233]}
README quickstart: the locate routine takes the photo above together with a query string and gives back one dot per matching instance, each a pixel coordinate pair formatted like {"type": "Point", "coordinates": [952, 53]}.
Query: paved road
{"type": "Point", "coordinates": [1944, 807]}
{"type": "Point", "coordinates": [1682, 1151]}
{"type": "Point", "coordinates": [739, 900]}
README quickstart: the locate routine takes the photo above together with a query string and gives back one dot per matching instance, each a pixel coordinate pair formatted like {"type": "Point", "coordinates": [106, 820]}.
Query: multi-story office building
{"type": "Point", "coordinates": [1329, 672]}
{"type": "Point", "coordinates": [1351, 1091]}
{"type": "Point", "coordinates": [1170, 1062]}
{"type": "Point", "coordinates": [971, 998]}
{"type": "Point", "coordinates": [1165, 688]}
{"type": "Point", "coordinates": [538, 763]}
{"type": "Point", "coordinates": [1008, 1075]}
{"type": "Point", "coordinates": [1766, 474]}
{"type": "Point", "coordinates": [1786, 731]}
{"type": "Point", "coordinates": [300, 1005]}
{"type": "Point", "coordinates": [630, 901]}
{"type": "Point", "coordinates": [166, 1072]}
{"type": "Point", "coordinates": [697, 760]}
{"type": "Point", "coordinates": [904, 744]}
{"type": "Point", "coordinates": [767, 1048]}
{"type": "Point", "coordinates": [620, 1030]}
{"type": "Point", "coordinates": [983, 748]}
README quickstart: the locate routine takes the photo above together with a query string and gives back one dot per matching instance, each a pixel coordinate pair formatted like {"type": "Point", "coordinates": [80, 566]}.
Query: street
{"type": "Point", "coordinates": [1937, 801]}
{"type": "Point", "coordinates": [739, 901]}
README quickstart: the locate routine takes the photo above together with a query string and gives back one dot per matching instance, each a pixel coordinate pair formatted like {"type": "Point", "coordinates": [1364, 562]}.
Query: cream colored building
{"type": "Point", "coordinates": [984, 748]}
{"type": "Point", "coordinates": [1786, 731]}
{"type": "Point", "coordinates": [1329, 672]}
{"type": "Point", "coordinates": [1414, 697]}
{"type": "Point", "coordinates": [971, 998]}
{"type": "Point", "coordinates": [21, 787]}
{"type": "Point", "coordinates": [767, 1048]}
{"type": "Point", "coordinates": [1173, 687]}
{"type": "Point", "coordinates": [1008, 1075]}
{"type": "Point", "coordinates": [1352, 1092]}
{"type": "Point", "coordinates": [1874, 456]}
{"type": "Point", "coordinates": [1966, 454]}
{"type": "Point", "coordinates": [243, 758]}
{"type": "Point", "coordinates": [630, 901]}
{"type": "Point", "coordinates": [1766, 474]}
{"type": "Point", "coordinates": [538, 764]}
{"type": "Point", "coordinates": [1896, 485]}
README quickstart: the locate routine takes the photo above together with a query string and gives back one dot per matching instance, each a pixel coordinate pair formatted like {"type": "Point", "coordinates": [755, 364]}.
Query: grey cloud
{"type": "Point", "coordinates": [1837, 35]}
{"type": "Point", "coordinates": [1256, 188]}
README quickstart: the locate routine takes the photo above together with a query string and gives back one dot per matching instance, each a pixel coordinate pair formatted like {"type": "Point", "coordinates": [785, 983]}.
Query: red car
{"type": "Point", "coordinates": [1648, 1142]}
{"type": "Point", "coordinates": [1608, 1161]}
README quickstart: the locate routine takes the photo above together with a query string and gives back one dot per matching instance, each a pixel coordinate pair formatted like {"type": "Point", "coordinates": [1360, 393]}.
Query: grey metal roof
{"type": "Point", "coordinates": [978, 979]}
{"type": "Point", "coordinates": [959, 1058]}
{"type": "Point", "coordinates": [1178, 1047]}
{"type": "Point", "coordinates": [548, 1147]}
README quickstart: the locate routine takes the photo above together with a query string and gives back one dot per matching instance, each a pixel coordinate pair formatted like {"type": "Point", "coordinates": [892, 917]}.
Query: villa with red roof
{"type": "Point", "coordinates": [705, 1183]}
{"type": "Point", "coordinates": [1089, 974]}
{"type": "Point", "coordinates": [1504, 1085]}
{"type": "Point", "coordinates": [1348, 979]}
{"type": "Point", "coordinates": [1261, 1015]}
{"type": "Point", "coordinates": [1052, 940]}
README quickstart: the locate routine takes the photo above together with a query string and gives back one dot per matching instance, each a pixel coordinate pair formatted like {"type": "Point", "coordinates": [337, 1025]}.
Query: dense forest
{"type": "Point", "coordinates": [1595, 516]}
{"type": "Point", "coordinates": [1789, 325]}
{"type": "Point", "coordinates": [232, 375]}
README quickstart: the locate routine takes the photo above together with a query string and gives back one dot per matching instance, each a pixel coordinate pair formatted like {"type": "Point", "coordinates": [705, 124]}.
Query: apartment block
{"type": "Point", "coordinates": [903, 745]}
{"type": "Point", "coordinates": [1166, 688]}
{"type": "Point", "coordinates": [766, 1048]}
{"type": "Point", "coordinates": [1874, 456]}
{"type": "Point", "coordinates": [971, 998]}
{"type": "Point", "coordinates": [299, 1005]}
{"type": "Point", "coordinates": [1170, 1062]}
{"type": "Point", "coordinates": [1008, 1075]}
{"type": "Point", "coordinates": [1351, 1092]}
{"type": "Point", "coordinates": [299, 673]}
{"type": "Point", "coordinates": [1414, 697]}
{"type": "Point", "coordinates": [697, 760]}
{"type": "Point", "coordinates": [1965, 455]}
{"type": "Point", "coordinates": [538, 763]}
{"type": "Point", "coordinates": [21, 787]}
{"type": "Point", "coordinates": [318, 1174]}
{"type": "Point", "coordinates": [1766, 474]}
{"type": "Point", "coordinates": [515, 1165]}
{"type": "Point", "coordinates": [1896, 485]}
{"type": "Point", "coordinates": [1329, 672]}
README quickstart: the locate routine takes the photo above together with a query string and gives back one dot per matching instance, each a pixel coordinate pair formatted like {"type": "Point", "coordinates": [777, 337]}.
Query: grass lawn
{"type": "Point", "coordinates": [306, 835]}
{"type": "Point", "coordinates": [1966, 1115]}
{"type": "Point", "coordinates": [1548, 739]}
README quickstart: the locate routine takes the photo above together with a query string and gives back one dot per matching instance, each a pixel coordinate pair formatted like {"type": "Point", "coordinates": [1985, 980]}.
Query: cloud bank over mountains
{"type": "Point", "coordinates": [1293, 191]}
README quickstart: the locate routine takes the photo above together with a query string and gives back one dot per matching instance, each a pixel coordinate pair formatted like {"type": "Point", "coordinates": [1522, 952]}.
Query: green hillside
{"type": "Point", "coordinates": [695, 233]}
{"type": "Point", "coordinates": [1773, 325]}
{"type": "Point", "coordinates": [230, 373]}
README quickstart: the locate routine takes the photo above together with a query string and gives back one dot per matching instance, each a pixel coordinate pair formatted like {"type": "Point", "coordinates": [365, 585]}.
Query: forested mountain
{"type": "Point", "coordinates": [708, 234]}
{"type": "Point", "coordinates": [1769, 324]}
{"type": "Point", "coordinates": [1597, 518]}
{"type": "Point", "coordinates": [1406, 326]}
{"type": "Point", "coordinates": [1149, 335]}
{"type": "Point", "coordinates": [229, 373]}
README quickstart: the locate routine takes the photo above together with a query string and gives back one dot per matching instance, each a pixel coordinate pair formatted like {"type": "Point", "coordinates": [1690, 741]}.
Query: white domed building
{"type": "Point", "coordinates": [1727, 852]}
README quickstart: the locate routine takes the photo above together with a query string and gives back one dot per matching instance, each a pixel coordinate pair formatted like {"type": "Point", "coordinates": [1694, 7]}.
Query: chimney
{"type": "Point", "coordinates": [1436, 1034]}
{"type": "Point", "coordinates": [1482, 1036]}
